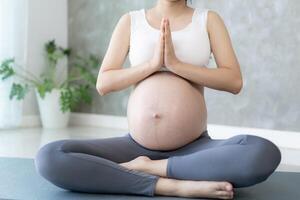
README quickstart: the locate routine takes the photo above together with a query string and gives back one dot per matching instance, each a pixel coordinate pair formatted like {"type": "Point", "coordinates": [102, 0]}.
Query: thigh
{"type": "Point", "coordinates": [117, 149]}
{"type": "Point", "coordinates": [88, 166]}
{"type": "Point", "coordinates": [206, 142]}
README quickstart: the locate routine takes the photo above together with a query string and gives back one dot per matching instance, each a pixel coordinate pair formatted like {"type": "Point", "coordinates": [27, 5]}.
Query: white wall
{"type": "Point", "coordinates": [47, 19]}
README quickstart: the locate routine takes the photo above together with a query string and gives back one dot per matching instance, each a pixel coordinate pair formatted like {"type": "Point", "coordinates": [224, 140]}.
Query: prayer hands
{"type": "Point", "coordinates": [170, 58]}
{"type": "Point", "coordinates": [164, 54]}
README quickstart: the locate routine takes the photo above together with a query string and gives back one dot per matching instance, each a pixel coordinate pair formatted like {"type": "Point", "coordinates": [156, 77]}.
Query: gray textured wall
{"type": "Point", "coordinates": [265, 35]}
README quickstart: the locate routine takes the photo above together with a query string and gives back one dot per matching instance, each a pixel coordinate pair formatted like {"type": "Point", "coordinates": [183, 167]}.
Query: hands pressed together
{"type": "Point", "coordinates": [164, 54]}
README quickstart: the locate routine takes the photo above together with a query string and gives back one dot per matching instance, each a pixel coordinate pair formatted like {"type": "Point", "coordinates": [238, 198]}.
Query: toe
{"type": "Point", "coordinates": [225, 186]}
{"type": "Point", "coordinates": [228, 187]}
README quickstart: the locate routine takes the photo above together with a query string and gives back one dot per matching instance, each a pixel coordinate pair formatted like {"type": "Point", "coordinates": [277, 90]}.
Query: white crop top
{"type": "Point", "coordinates": [191, 44]}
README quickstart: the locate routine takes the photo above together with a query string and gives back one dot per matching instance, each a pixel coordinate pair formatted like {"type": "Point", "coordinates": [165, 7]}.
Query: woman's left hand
{"type": "Point", "coordinates": [170, 59]}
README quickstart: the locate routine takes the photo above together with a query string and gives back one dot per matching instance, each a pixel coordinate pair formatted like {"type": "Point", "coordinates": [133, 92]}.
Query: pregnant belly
{"type": "Point", "coordinates": [166, 112]}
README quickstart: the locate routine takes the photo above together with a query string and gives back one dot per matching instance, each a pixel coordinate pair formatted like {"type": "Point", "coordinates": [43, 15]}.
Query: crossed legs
{"type": "Point", "coordinates": [243, 160]}
{"type": "Point", "coordinates": [204, 168]}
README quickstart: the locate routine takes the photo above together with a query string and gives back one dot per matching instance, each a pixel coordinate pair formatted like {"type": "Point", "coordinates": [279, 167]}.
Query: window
{"type": "Point", "coordinates": [13, 22]}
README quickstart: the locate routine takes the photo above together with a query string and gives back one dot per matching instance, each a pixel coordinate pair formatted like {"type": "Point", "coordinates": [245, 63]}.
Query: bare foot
{"type": "Point", "coordinates": [206, 189]}
{"type": "Point", "coordinates": [138, 163]}
{"type": "Point", "coordinates": [183, 188]}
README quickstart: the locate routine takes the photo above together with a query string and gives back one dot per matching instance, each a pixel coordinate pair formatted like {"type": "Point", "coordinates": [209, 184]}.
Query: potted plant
{"type": "Point", "coordinates": [56, 97]}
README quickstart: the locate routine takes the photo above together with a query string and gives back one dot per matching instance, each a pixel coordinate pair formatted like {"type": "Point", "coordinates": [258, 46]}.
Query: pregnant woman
{"type": "Point", "coordinates": [167, 150]}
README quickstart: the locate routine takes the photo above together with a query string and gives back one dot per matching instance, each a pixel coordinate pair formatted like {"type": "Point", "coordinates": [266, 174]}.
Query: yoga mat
{"type": "Point", "coordinates": [19, 180]}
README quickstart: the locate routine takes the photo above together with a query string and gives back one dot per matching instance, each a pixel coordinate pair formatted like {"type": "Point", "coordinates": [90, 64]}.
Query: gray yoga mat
{"type": "Point", "coordinates": [18, 180]}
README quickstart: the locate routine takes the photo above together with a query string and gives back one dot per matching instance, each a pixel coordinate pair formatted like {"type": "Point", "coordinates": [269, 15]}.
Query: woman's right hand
{"type": "Point", "coordinates": [157, 60]}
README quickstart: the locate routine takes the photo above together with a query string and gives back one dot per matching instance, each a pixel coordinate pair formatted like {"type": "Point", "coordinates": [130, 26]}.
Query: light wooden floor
{"type": "Point", "coordinates": [25, 142]}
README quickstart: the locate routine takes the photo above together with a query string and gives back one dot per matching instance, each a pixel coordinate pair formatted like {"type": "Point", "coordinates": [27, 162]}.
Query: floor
{"type": "Point", "coordinates": [25, 142]}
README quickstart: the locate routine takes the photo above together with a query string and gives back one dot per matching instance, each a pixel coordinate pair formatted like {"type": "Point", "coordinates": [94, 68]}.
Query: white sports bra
{"type": "Point", "coordinates": [191, 44]}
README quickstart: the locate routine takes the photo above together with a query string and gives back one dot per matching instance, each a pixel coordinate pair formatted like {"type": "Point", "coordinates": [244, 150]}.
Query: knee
{"type": "Point", "coordinates": [267, 153]}
{"type": "Point", "coordinates": [264, 158]}
{"type": "Point", "coordinates": [46, 159]}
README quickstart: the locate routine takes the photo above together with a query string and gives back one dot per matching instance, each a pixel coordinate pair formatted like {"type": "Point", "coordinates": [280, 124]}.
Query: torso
{"type": "Point", "coordinates": [166, 111]}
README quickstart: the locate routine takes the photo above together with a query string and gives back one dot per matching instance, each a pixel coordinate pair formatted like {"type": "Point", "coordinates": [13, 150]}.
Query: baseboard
{"type": "Point", "coordinates": [288, 142]}
{"type": "Point", "coordinates": [30, 121]}
{"type": "Point", "coordinates": [81, 119]}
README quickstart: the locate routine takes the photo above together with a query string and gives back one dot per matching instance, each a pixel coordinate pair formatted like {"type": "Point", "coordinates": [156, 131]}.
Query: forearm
{"type": "Point", "coordinates": [118, 79]}
{"type": "Point", "coordinates": [221, 78]}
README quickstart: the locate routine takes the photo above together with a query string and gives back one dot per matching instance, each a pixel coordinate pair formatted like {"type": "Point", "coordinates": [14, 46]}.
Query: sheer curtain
{"type": "Point", "coordinates": [13, 23]}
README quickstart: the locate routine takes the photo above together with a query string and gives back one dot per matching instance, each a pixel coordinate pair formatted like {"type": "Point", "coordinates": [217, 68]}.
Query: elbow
{"type": "Point", "coordinates": [101, 89]}
{"type": "Point", "coordinates": [102, 85]}
{"type": "Point", "coordinates": [237, 86]}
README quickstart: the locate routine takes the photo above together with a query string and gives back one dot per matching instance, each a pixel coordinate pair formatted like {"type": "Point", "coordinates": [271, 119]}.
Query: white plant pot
{"type": "Point", "coordinates": [51, 115]}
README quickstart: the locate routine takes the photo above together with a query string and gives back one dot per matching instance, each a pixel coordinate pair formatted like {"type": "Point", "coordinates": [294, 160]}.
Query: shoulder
{"type": "Point", "coordinates": [122, 27]}
{"type": "Point", "coordinates": [213, 14]}
{"type": "Point", "coordinates": [124, 22]}
{"type": "Point", "coordinates": [125, 18]}
{"type": "Point", "coordinates": [214, 19]}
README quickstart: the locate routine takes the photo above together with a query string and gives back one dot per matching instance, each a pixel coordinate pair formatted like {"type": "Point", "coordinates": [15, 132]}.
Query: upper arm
{"type": "Point", "coordinates": [221, 43]}
{"type": "Point", "coordinates": [118, 46]}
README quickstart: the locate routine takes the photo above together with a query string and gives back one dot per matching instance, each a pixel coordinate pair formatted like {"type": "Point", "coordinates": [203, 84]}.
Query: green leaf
{"type": "Point", "coordinates": [69, 99]}
{"type": "Point", "coordinates": [84, 92]}
{"type": "Point", "coordinates": [6, 68]}
{"type": "Point", "coordinates": [54, 52]}
{"type": "Point", "coordinates": [45, 87]}
{"type": "Point", "coordinates": [65, 99]}
{"type": "Point", "coordinates": [94, 61]}
{"type": "Point", "coordinates": [8, 61]}
{"type": "Point", "coordinates": [50, 47]}
{"type": "Point", "coordinates": [72, 96]}
{"type": "Point", "coordinates": [86, 67]}
{"type": "Point", "coordinates": [88, 76]}
{"type": "Point", "coordinates": [19, 91]}
{"type": "Point", "coordinates": [66, 51]}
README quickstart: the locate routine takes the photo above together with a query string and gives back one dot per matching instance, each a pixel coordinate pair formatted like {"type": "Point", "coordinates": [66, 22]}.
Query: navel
{"type": "Point", "coordinates": [156, 115]}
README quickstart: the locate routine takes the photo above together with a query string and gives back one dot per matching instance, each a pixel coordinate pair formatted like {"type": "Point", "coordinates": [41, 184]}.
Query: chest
{"type": "Point", "coordinates": [191, 45]}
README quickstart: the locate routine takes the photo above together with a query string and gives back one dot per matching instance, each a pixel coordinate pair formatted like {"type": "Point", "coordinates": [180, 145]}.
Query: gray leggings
{"type": "Point", "coordinates": [90, 165]}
